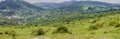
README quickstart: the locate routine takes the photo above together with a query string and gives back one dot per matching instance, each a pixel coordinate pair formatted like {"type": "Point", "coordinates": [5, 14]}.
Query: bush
{"type": "Point", "coordinates": [118, 25]}
{"type": "Point", "coordinates": [1, 33]}
{"type": "Point", "coordinates": [93, 28]}
{"type": "Point", "coordinates": [62, 29]}
{"type": "Point", "coordinates": [39, 31]}
{"type": "Point", "coordinates": [105, 32]}
{"type": "Point", "coordinates": [11, 32]}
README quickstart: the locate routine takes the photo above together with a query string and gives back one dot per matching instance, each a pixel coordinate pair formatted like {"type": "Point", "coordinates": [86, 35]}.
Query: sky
{"type": "Point", "coordinates": [59, 1]}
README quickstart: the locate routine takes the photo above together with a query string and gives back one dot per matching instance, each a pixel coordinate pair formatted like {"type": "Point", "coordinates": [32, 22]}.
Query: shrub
{"type": "Point", "coordinates": [118, 25]}
{"type": "Point", "coordinates": [10, 32]}
{"type": "Point", "coordinates": [105, 32]}
{"type": "Point", "coordinates": [95, 26]}
{"type": "Point", "coordinates": [1, 33]}
{"type": "Point", "coordinates": [39, 31]}
{"type": "Point", "coordinates": [36, 25]}
{"type": "Point", "coordinates": [62, 29]}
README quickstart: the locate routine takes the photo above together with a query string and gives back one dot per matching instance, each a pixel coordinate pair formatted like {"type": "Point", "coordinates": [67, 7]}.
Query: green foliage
{"type": "Point", "coordinates": [107, 26]}
{"type": "Point", "coordinates": [62, 29]}
{"type": "Point", "coordinates": [109, 21]}
{"type": "Point", "coordinates": [56, 18]}
{"type": "Point", "coordinates": [10, 32]}
{"type": "Point", "coordinates": [1, 33]}
{"type": "Point", "coordinates": [39, 31]}
{"type": "Point", "coordinates": [90, 25]}
{"type": "Point", "coordinates": [94, 27]}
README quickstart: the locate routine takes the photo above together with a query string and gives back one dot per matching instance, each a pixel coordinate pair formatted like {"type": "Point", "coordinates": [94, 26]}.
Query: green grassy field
{"type": "Point", "coordinates": [98, 28]}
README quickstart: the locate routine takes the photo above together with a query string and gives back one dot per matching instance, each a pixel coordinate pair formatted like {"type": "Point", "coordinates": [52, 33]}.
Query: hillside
{"type": "Point", "coordinates": [17, 7]}
{"type": "Point", "coordinates": [78, 6]}
{"type": "Point", "coordinates": [20, 19]}
{"type": "Point", "coordinates": [24, 13]}
{"type": "Point", "coordinates": [118, 6]}
{"type": "Point", "coordinates": [74, 3]}
{"type": "Point", "coordinates": [14, 10]}
{"type": "Point", "coordinates": [82, 9]}
{"type": "Point", "coordinates": [16, 4]}
{"type": "Point", "coordinates": [92, 28]}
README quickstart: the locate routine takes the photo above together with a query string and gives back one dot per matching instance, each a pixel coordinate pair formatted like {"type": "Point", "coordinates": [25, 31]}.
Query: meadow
{"type": "Point", "coordinates": [107, 27]}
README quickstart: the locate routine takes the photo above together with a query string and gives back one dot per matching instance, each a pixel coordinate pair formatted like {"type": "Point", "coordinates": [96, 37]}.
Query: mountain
{"type": "Point", "coordinates": [22, 12]}
{"type": "Point", "coordinates": [118, 6]}
{"type": "Point", "coordinates": [74, 3]}
{"type": "Point", "coordinates": [117, 3]}
{"type": "Point", "coordinates": [17, 8]}
{"type": "Point", "coordinates": [69, 20]}
{"type": "Point", "coordinates": [14, 10]}
{"type": "Point", "coordinates": [16, 4]}
{"type": "Point", "coordinates": [78, 6]}
{"type": "Point", "coordinates": [48, 5]}
{"type": "Point", "coordinates": [82, 9]}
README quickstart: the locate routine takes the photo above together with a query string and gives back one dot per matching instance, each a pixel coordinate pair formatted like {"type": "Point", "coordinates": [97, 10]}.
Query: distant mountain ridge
{"type": "Point", "coordinates": [74, 3]}
{"type": "Point", "coordinates": [80, 6]}
{"type": "Point", "coordinates": [118, 6]}
{"type": "Point", "coordinates": [18, 9]}
{"type": "Point", "coordinates": [16, 4]}
{"type": "Point", "coordinates": [14, 10]}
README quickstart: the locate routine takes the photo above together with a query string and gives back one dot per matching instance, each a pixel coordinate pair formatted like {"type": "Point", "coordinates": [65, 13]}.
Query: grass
{"type": "Point", "coordinates": [79, 30]}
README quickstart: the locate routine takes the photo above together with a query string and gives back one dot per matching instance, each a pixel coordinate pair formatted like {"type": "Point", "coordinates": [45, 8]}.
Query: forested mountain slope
{"type": "Point", "coordinates": [73, 3]}
{"type": "Point", "coordinates": [24, 13]}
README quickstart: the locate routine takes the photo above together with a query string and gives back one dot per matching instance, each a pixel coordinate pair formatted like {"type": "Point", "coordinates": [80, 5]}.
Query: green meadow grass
{"type": "Point", "coordinates": [98, 28]}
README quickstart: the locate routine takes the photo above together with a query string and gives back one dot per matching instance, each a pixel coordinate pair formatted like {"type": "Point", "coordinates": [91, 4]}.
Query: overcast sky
{"type": "Point", "coordinates": [58, 1]}
{"type": "Point", "coordinates": [110, 1]}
